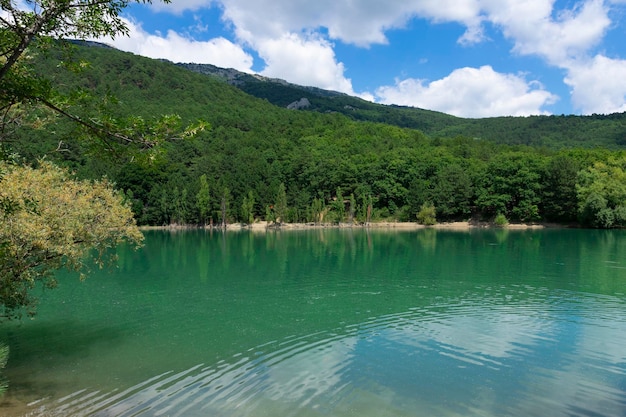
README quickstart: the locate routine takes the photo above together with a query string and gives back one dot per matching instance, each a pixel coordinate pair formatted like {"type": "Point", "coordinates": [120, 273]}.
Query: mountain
{"type": "Point", "coordinates": [284, 94]}
{"type": "Point", "coordinates": [550, 131]}
{"type": "Point", "coordinates": [333, 155]}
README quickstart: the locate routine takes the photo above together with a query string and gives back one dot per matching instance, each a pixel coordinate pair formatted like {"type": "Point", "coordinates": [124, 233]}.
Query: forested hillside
{"type": "Point", "coordinates": [263, 161]}
{"type": "Point", "coordinates": [551, 131]}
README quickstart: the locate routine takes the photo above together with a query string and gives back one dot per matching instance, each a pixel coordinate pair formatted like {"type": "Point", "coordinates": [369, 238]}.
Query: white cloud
{"type": "Point", "coordinates": [598, 86]}
{"type": "Point", "coordinates": [361, 22]}
{"type": "Point", "coordinates": [178, 48]}
{"type": "Point", "coordinates": [533, 26]}
{"type": "Point", "coordinates": [308, 61]}
{"type": "Point", "coordinates": [179, 6]}
{"type": "Point", "coordinates": [534, 30]}
{"type": "Point", "coordinates": [294, 38]}
{"type": "Point", "coordinates": [471, 92]}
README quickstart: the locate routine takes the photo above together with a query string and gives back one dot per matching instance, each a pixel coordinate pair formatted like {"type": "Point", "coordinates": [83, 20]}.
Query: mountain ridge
{"type": "Point", "coordinates": [256, 150]}
{"type": "Point", "coordinates": [538, 130]}
{"type": "Point", "coordinates": [552, 131]}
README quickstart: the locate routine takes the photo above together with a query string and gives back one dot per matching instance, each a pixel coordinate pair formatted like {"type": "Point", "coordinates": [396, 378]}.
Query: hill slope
{"type": "Point", "coordinates": [330, 164]}
{"type": "Point", "coordinates": [551, 131]}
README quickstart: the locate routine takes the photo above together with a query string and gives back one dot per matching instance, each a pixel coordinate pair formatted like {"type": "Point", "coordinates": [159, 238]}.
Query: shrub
{"type": "Point", "coordinates": [500, 220]}
{"type": "Point", "coordinates": [427, 215]}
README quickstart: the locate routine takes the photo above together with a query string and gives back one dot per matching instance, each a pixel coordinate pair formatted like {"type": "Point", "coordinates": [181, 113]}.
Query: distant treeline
{"type": "Point", "coordinates": [260, 161]}
{"type": "Point", "coordinates": [342, 181]}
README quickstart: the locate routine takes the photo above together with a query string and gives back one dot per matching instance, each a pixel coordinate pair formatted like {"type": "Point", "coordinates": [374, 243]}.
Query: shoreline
{"type": "Point", "coordinates": [263, 226]}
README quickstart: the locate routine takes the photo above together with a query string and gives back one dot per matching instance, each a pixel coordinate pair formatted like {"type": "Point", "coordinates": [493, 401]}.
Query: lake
{"type": "Point", "coordinates": [333, 322]}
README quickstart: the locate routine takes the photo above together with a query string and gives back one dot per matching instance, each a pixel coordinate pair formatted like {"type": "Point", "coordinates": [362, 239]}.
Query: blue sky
{"type": "Point", "coordinates": [470, 58]}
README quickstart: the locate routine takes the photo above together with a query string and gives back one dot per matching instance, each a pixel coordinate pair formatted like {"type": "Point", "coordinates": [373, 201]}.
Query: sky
{"type": "Point", "coordinates": [469, 58]}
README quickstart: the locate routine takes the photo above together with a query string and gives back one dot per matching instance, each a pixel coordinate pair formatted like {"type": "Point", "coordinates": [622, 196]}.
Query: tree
{"type": "Point", "coordinates": [280, 204]}
{"type": "Point", "coordinates": [225, 206]}
{"type": "Point", "coordinates": [559, 201]}
{"type": "Point", "coordinates": [367, 204]}
{"type": "Point", "coordinates": [184, 206]}
{"type": "Point", "coordinates": [29, 28]}
{"type": "Point", "coordinates": [165, 207]}
{"type": "Point", "coordinates": [247, 208]}
{"type": "Point", "coordinates": [177, 207]}
{"type": "Point", "coordinates": [427, 214]}
{"type": "Point", "coordinates": [511, 186]}
{"type": "Point", "coordinates": [452, 192]}
{"type": "Point", "coordinates": [203, 199]}
{"type": "Point", "coordinates": [339, 205]}
{"type": "Point", "coordinates": [50, 221]}
{"type": "Point", "coordinates": [317, 210]}
{"type": "Point", "coordinates": [269, 214]}
{"type": "Point", "coordinates": [601, 191]}
{"type": "Point", "coordinates": [352, 209]}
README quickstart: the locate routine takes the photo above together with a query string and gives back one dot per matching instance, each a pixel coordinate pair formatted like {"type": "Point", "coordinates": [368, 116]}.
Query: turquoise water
{"type": "Point", "coordinates": [334, 323]}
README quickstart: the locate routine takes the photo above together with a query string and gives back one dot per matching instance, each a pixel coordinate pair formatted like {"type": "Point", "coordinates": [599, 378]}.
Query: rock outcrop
{"type": "Point", "coordinates": [303, 103]}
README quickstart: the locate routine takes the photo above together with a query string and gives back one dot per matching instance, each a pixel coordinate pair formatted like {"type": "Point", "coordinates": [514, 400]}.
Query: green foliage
{"type": "Point", "coordinates": [317, 211]}
{"type": "Point", "coordinates": [280, 204]}
{"type": "Point", "coordinates": [339, 207]}
{"type": "Point", "coordinates": [51, 221]}
{"type": "Point", "coordinates": [500, 220]}
{"type": "Point", "coordinates": [255, 146]}
{"type": "Point", "coordinates": [247, 208]}
{"type": "Point", "coordinates": [225, 201]}
{"type": "Point", "coordinates": [427, 214]}
{"type": "Point", "coordinates": [453, 189]}
{"type": "Point", "coordinates": [511, 186]}
{"type": "Point", "coordinates": [352, 208]}
{"type": "Point", "coordinates": [601, 193]}
{"type": "Point", "coordinates": [555, 132]}
{"type": "Point", "coordinates": [269, 214]}
{"type": "Point", "coordinates": [559, 200]}
{"type": "Point", "coordinates": [203, 199]}
{"type": "Point", "coordinates": [27, 95]}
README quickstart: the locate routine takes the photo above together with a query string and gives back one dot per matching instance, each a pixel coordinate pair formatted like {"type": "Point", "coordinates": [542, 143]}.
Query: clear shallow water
{"type": "Point", "coordinates": [334, 323]}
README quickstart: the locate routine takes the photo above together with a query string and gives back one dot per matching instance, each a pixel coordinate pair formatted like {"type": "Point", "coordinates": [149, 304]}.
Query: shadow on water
{"type": "Point", "coordinates": [49, 346]}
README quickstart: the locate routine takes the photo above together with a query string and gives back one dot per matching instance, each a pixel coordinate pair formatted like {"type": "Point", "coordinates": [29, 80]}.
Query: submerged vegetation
{"type": "Point", "coordinates": [4, 356]}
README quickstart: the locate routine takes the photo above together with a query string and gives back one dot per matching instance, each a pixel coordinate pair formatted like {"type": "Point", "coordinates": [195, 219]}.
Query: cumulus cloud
{"type": "Point", "coordinates": [361, 22]}
{"type": "Point", "coordinates": [303, 61]}
{"type": "Point", "coordinates": [598, 86]}
{"type": "Point", "coordinates": [534, 26]}
{"type": "Point", "coordinates": [561, 37]}
{"type": "Point", "coordinates": [178, 48]}
{"type": "Point", "coordinates": [295, 39]}
{"type": "Point", "coordinates": [556, 36]}
{"type": "Point", "coordinates": [471, 92]}
{"type": "Point", "coordinates": [179, 6]}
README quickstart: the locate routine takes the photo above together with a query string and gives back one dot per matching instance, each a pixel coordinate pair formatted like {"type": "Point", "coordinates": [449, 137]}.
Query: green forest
{"type": "Point", "coordinates": [342, 160]}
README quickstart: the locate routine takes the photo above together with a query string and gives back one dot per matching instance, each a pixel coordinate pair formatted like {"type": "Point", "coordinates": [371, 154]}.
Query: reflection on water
{"type": "Point", "coordinates": [336, 323]}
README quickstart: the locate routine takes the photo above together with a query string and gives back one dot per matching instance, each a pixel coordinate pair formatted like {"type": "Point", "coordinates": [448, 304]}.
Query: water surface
{"type": "Point", "coordinates": [334, 323]}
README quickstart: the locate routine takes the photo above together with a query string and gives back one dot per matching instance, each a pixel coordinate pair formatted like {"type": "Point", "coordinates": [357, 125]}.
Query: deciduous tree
{"type": "Point", "coordinates": [601, 191]}
{"type": "Point", "coordinates": [280, 205]}
{"type": "Point", "coordinates": [247, 208]}
{"type": "Point", "coordinates": [29, 28]}
{"type": "Point", "coordinates": [203, 199]}
{"type": "Point", "coordinates": [50, 221]}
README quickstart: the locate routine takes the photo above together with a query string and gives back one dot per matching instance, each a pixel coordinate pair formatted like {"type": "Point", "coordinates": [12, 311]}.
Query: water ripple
{"type": "Point", "coordinates": [493, 357]}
